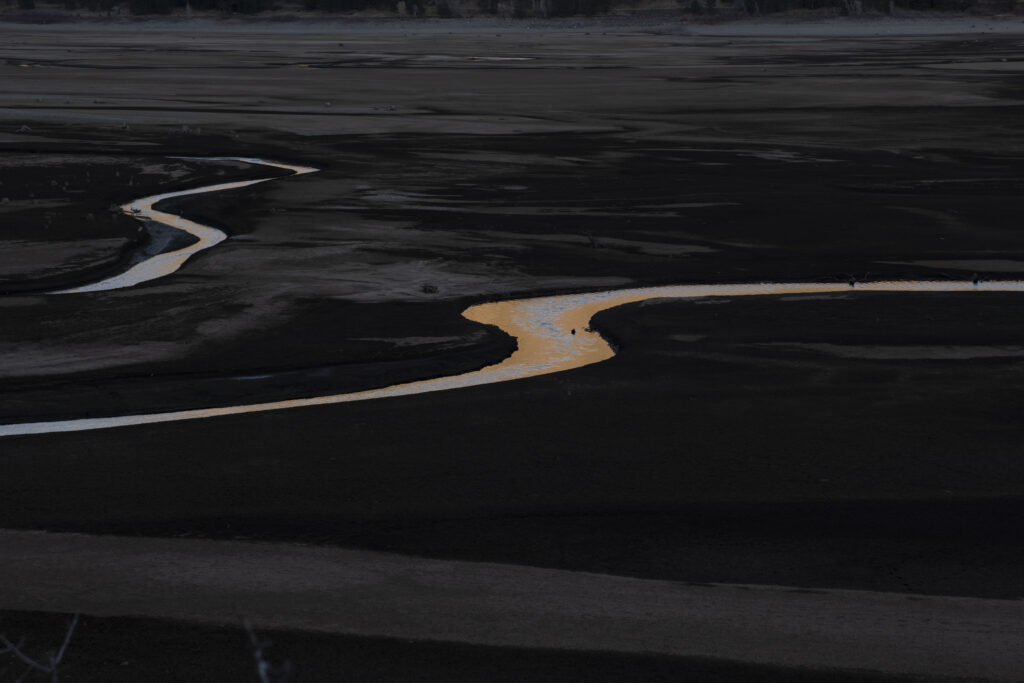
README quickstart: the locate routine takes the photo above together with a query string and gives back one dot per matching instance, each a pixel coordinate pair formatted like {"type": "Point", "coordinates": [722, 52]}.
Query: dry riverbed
{"type": "Point", "coordinates": [843, 441]}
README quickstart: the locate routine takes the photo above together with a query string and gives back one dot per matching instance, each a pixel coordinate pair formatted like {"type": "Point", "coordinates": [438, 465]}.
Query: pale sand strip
{"type": "Point", "coordinates": [377, 594]}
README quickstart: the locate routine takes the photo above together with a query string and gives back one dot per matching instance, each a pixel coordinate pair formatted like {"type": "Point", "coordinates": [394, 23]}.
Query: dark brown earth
{"type": "Point", "coordinates": [866, 441]}
{"type": "Point", "coordinates": [129, 650]}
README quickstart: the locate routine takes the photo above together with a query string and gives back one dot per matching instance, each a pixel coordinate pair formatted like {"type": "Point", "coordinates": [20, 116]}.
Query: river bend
{"type": "Point", "coordinates": [552, 333]}
{"type": "Point", "coordinates": [168, 262]}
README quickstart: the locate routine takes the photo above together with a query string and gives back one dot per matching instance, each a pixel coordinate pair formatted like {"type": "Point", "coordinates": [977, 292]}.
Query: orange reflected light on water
{"type": "Point", "coordinates": [543, 328]}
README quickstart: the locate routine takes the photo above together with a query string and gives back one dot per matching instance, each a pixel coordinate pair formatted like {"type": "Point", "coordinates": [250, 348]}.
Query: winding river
{"type": "Point", "coordinates": [552, 333]}
{"type": "Point", "coordinates": [166, 263]}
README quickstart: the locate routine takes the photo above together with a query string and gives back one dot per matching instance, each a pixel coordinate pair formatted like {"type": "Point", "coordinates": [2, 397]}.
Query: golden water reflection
{"type": "Point", "coordinates": [552, 335]}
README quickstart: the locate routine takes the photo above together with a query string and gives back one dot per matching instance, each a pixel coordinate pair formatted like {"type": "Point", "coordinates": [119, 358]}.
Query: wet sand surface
{"type": "Point", "coordinates": [865, 441]}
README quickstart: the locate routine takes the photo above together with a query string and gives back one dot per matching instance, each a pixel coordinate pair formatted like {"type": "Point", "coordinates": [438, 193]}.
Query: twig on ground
{"type": "Point", "coordinates": [267, 672]}
{"type": "Point", "coordinates": [53, 668]}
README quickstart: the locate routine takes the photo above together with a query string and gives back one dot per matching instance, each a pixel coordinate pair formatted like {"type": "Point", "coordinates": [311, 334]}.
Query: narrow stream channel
{"type": "Point", "coordinates": [552, 333]}
{"type": "Point", "coordinates": [166, 263]}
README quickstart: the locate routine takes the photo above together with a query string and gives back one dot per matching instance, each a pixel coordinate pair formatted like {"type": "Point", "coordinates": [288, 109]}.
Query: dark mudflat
{"type": "Point", "coordinates": [749, 465]}
{"type": "Point", "coordinates": [857, 441]}
{"type": "Point", "coordinates": [131, 649]}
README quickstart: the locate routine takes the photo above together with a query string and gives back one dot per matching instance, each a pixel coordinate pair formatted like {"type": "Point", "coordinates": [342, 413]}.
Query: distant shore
{"type": "Point", "coordinates": [732, 24]}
